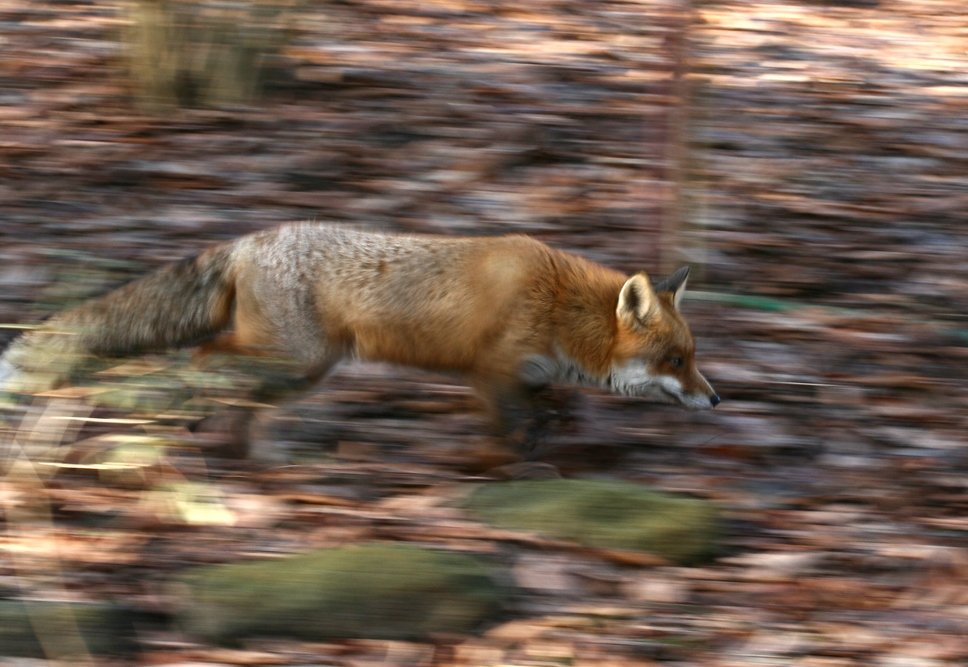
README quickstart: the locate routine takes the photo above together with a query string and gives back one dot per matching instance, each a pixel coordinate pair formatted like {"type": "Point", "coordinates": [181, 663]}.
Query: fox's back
{"type": "Point", "coordinates": [421, 300]}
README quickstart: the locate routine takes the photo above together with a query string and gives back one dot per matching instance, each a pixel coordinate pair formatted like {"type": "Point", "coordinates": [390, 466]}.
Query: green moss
{"type": "Point", "coordinates": [607, 514]}
{"type": "Point", "coordinates": [390, 591]}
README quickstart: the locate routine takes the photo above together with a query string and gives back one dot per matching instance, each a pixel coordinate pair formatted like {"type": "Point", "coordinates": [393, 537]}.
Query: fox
{"type": "Point", "coordinates": [510, 314]}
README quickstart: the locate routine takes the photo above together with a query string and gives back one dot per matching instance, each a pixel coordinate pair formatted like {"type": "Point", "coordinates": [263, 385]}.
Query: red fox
{"type": "Point", "coordinates": [508, 313]}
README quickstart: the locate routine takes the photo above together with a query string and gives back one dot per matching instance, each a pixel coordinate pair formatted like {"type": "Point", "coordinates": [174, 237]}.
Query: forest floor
{"type": "Point", "coordinates": [821, 169]}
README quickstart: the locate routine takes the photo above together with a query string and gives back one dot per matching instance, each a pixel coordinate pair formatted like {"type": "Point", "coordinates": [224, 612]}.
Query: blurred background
{"type": "Point", "coordinates": [806, 157]}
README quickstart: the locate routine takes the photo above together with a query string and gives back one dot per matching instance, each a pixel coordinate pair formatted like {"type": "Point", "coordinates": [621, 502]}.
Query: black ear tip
{"type": "Point", "coordinates": [674, 281]}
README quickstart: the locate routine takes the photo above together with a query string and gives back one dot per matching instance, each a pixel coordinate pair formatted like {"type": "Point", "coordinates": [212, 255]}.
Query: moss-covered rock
{"type": "Point", "coordinates": [390, 591]}
{"type": "Point", "coordinates": [600, 513]}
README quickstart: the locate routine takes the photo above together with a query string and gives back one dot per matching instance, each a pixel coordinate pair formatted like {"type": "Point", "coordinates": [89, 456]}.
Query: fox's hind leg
{"type": "Point", "coordinates": [245, 425]}
{"type": "Point", "coordinates": [280, 338]}
{"type": "Point", "coordinates": [279, 379]}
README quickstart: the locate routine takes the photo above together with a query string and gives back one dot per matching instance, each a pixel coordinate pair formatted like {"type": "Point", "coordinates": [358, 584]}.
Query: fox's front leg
{"type": "Point", "coordinates": [537, 373]}
{"type": "Point", "coordinates": [519, 405]}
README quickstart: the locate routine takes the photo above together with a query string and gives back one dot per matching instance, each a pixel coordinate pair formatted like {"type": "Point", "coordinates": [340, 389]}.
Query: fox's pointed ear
{"type": "Point", "coordinates": [637, 298]}
{"type": "Point", "coordinates": [676, 284]}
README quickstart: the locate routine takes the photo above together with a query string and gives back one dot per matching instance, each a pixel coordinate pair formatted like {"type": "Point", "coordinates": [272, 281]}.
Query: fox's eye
{"type": "Point", "coordinates": [676, 362]}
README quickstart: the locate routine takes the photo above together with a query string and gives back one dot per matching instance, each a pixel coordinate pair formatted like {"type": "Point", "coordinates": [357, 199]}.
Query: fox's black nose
{"type": "Point", "coordinates": [714, 399]}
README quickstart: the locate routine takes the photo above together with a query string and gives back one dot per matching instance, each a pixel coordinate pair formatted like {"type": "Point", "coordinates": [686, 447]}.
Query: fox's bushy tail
{"type": "Point", "coordinates": [175, 305]}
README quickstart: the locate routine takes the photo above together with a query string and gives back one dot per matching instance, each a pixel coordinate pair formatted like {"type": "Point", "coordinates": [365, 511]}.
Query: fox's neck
{"type": "Point", "coordinates": [585, 319]}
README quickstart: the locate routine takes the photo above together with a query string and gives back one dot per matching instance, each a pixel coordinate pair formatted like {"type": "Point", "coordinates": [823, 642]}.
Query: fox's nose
{"type": "Point", "coordinates": [714, 400]}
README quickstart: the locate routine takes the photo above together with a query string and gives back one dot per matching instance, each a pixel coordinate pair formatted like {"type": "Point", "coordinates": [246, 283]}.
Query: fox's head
{"type": "Point", "coordinates": [654, 355]}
